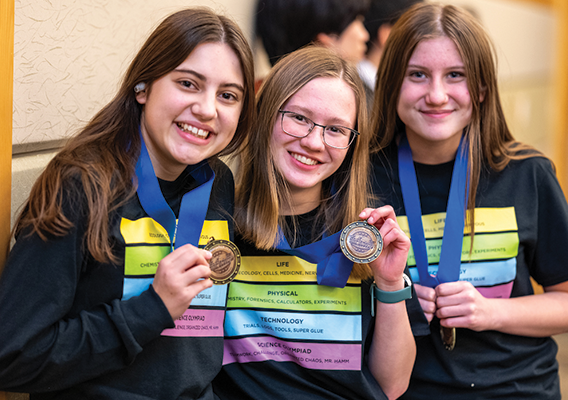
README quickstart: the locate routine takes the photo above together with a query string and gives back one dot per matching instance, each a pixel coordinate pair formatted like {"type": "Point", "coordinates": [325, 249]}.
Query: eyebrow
{"type": "Point", "coordinates": [304, 110]}
{"type": "Point", "coordinates": [423, 67]}
{"type": "Point", "coordinates": [204, 78]}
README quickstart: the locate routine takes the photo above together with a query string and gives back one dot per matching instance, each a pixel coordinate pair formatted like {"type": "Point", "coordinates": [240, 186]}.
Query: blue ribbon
{"type": "Point", "coordinates": [194, 204]}
{"type": "Point", "coordinates": [333, 268]}
{"type": "Point", "coordinates": [452, 240]}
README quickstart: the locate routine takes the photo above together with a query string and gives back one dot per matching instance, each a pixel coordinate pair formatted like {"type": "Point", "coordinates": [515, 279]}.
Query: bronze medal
{"type": "Point", "coordinates": [448, 337]}
{"type": "Point", "coordinates": [361, 242]}
{"type": "Point", "coordinates": [225, 262]}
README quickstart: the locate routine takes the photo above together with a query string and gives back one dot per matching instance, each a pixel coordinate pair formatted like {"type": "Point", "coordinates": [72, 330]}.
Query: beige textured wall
{"type": "Point", "coordinates": [523, 34]}
{"type": "Point", "coordinates": [69, 56]}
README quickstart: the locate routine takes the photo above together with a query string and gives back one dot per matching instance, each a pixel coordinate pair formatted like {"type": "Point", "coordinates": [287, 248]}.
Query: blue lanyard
{"type": "Point", "coordinates": [452, 240]}
{"type": "Point", "coordinates": [333, 267]}
{"type": "Point", "coordinates": [194, 203]}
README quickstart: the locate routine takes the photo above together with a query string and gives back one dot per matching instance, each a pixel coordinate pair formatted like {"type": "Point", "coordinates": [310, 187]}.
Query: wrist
{"type": "Point", "coordinates": [390, 285]}
{"type": "Point", "coordinates": [391, 297]}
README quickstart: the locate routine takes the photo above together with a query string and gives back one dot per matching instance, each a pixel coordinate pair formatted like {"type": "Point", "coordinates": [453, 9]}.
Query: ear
{"type": "Point", "coordinates": [326, 40]}
{"type": "Point", "coordinates": [482, 92]}
{"type": "Point", "coordinates": [383, 33]}
{"type": "Point", "coordinates": [142, 96]}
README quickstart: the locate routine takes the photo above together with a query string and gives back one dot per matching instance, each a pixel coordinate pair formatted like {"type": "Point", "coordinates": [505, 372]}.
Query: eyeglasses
{"type": "Point", "coordinates": [336, 136]}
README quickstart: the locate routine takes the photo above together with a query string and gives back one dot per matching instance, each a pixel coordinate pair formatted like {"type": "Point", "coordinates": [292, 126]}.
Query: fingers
{"type": "Point", "coordinates": [425, 293]}
{"type": "Point", "coordinates": [427, 299]}
{"type": "Point", "coordinates": [180, 276]}
{"type": "Point", "coordinates": [185, 256]}
{"type": "Point", "coordinates": [391, 233]}
{"type": "Point", "coordinates": [460, 305]}
{"type": "Point", "coordinates": [384, 218]}
{"type": "Point", "coordinates": [374, 215]}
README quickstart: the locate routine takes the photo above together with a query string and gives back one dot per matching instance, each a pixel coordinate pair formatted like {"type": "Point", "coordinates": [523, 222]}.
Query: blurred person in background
{"type": "Point", "coordinates": [287, 25]}
{"type": "Point", "coordinates": [379, 19]}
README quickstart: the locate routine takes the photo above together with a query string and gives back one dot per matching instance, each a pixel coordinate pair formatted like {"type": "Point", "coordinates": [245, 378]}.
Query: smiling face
{"type": "Point", "coordinates": [191, 113]}
{"type": "Point", "coordinates": [306, 162]}
{"type": "Point", "coordinates": [434, 101]}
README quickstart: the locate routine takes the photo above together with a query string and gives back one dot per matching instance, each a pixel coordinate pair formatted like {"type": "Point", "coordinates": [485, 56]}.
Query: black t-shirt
{"type": "Point", "coordinates": [286, 337]}
{"type": "Point", "coordinates": [73, 328]}
{"type": "Point", "coordinates": [521, 223]}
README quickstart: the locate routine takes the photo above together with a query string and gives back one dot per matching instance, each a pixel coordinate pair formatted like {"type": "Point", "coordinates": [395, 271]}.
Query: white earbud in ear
{"type": "Point", "coordinates": [139, 87]}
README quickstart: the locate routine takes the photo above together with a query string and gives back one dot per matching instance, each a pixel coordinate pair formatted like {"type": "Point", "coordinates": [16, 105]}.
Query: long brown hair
{"type": "Point", "coordinates": [261, 190]}
{"type": "Point", "coordinates": [491, 144]}
{"type": "Point", "coordinates": [103, 155]}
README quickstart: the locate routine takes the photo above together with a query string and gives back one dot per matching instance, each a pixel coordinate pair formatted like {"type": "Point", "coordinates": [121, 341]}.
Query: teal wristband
{"type": "Point", "coordinates": [390, 297]}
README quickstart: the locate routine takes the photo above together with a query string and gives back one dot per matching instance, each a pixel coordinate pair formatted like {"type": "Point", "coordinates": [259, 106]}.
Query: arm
{"type": "Point", "coordinates": [54, 336]}
{"type": "Point", "coordinates": [393, 351]}
{"type": "Point", "coordinates": [543, 228]}
{"type": "Point", "coordinates": [44, 343]}
{"type": "Point", "coordinates": [461, 305]}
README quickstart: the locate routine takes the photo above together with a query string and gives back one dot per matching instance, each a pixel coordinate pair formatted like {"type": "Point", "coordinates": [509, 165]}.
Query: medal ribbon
{"type": "Point", "coordinates": [333, 267]}
{"type": "Point", "coordinates": [452, 240]}
{"type": "Point", "coordinates": [194, 203]}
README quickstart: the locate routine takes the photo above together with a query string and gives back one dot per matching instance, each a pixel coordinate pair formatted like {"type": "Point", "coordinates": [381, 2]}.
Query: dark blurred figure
{"type": "Point", "coordinates": [287, 25]}
{"type": "Point", "coordinates": [379, 19]}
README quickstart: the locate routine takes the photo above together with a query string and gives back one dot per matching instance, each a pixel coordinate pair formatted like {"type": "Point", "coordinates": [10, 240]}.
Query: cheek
{"type": "Point", "coordinates": [230, 120]}
{"type": "Point", "coordinates": [400, 108]}
{"type": "Point", "coordinates": [278, 138]}
{"type": "Point", "coordinates": [338, 156]}
{"type": "Point", "coordinates": [276, 142]}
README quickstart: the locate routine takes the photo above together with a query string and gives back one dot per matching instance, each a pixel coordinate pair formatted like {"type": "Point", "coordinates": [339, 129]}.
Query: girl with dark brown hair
{"type": "Point", "coordinates": [105, 294]}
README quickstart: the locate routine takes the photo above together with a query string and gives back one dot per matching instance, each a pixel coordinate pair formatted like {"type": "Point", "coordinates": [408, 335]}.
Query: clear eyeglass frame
{"type": "Point", "coordinates": [311, 124]}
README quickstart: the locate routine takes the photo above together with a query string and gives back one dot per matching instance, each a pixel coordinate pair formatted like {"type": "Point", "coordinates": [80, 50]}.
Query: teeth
{"type": "Point", "coordinates": [200, 133]}
{"type": "Point", "coordinates": [304, 160]}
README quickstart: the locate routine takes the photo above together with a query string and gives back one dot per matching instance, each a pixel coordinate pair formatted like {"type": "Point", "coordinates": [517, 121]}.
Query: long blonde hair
{"type": "Point", "coordinates": [261, 190]}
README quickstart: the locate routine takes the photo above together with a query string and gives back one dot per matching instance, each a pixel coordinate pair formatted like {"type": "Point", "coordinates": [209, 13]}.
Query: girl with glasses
{"type": "Point", "coordinates": [305, 329]}
{"type": "Point", "coordinates": [105, 294]}
{"type": "Point", "coordinates": [485, 214]}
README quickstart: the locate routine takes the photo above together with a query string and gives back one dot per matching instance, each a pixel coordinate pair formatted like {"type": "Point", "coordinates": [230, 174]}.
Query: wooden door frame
{"type": "Point", "coordinates": [6, 99]}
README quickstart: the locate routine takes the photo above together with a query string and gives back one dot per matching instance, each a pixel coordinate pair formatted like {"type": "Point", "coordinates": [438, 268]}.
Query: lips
{"type": "Point", "coordinates": [304, 160]}
{"type": "Point", "coordinates": [436, 113]}
{"type": "Point", "coordinates": [192, 130]}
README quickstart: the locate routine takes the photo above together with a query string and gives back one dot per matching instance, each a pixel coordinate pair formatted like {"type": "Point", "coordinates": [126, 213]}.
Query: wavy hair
{"type": "Point", "coordinates": [261, 189]}
{"type": "Point", "coordinates": [103, 155]}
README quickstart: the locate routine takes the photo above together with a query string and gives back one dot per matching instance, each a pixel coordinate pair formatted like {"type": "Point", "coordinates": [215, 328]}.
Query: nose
{"type": "Point", "coordinates": [205, 106]}
{"type": "Point", "coordinates": [363, 33]}
{"type": "Point", "coordinates": [314, 140]}
{"type": "Point", "coordinates": [437, 93]}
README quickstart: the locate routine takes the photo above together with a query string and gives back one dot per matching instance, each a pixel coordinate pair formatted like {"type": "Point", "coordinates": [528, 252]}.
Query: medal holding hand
{"type": "Point", "coordinates": [302, 183]}
{"type": "Point", "coordinates": [388, 268]}
{"type": "Point", "coordinates": [188, 116]}
{"type": "Point", "coordinates": [477, 205]}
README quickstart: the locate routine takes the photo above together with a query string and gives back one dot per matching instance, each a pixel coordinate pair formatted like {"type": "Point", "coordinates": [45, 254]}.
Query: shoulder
{"type": "Point", "coordinates": [222, 172]}
{"type": "Point", "coordinates": [384, 174]}
{"type": "Point", "coordinates": [529, 183]}
{"type": "Point", "coordinates": [536, 168]}
{"type": "Point", "coordinates": [223, 191]}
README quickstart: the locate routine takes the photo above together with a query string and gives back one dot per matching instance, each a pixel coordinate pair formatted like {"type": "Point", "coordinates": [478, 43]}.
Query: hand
{"type": "Point", "coordinates": [460, 305]}
{"type": "Point", "coordinates": [181, 275]}
{"type": "Point", "coordinates": [389, 267]}
{"type": "Point", "coordinates": [427, 298]}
